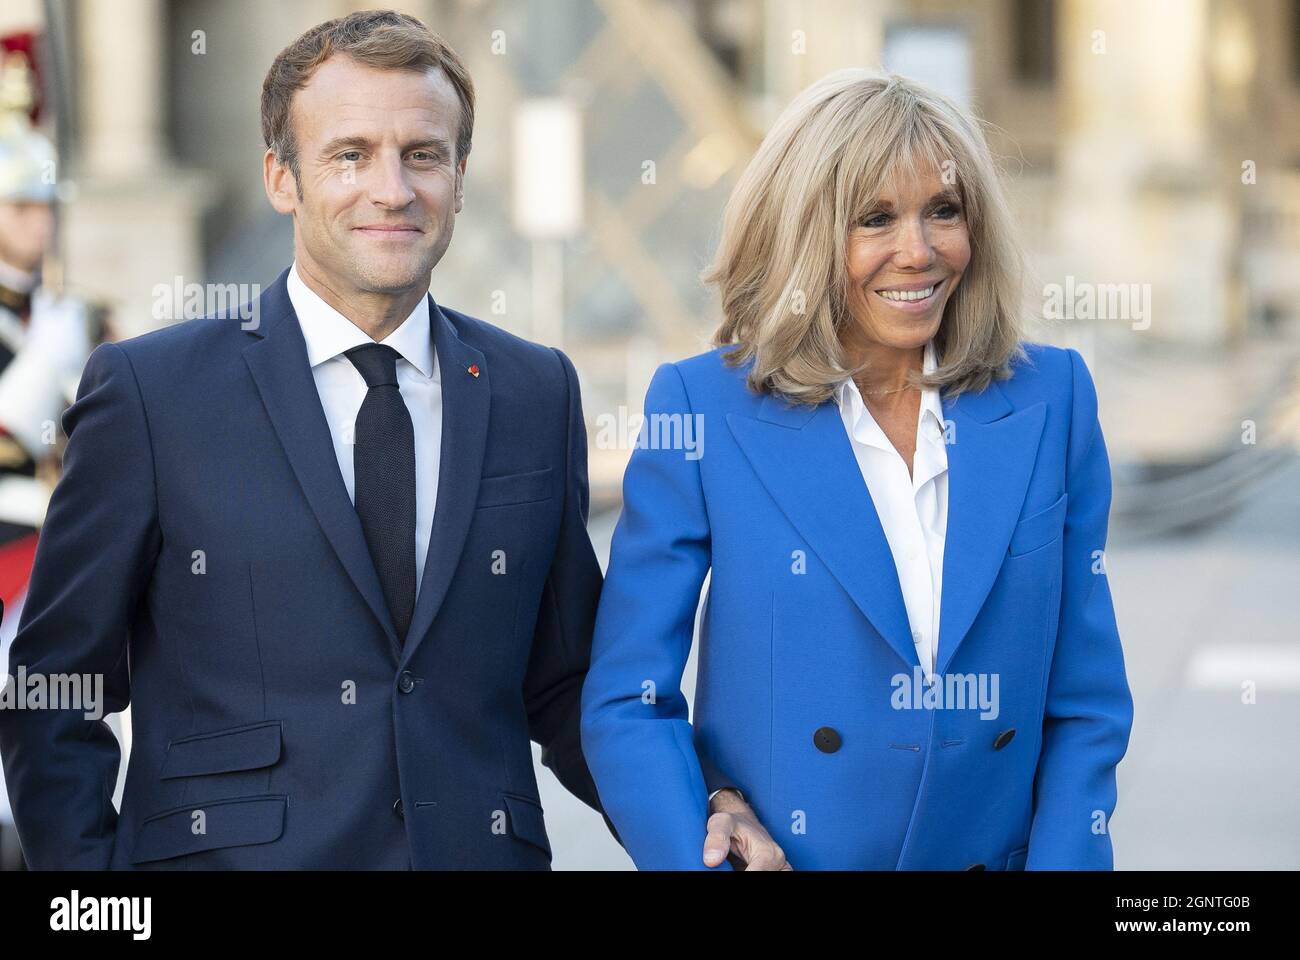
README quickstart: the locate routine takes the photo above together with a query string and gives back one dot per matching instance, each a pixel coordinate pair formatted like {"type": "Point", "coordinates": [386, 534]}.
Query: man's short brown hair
{"type": "Point", "coordinates": [378, 38]}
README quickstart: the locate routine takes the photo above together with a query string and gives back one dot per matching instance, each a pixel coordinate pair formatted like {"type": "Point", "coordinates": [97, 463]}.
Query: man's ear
{"type": "Point", "coordinates": [281, 189]}
{"type": "Point", "coordinates": [460, 183]}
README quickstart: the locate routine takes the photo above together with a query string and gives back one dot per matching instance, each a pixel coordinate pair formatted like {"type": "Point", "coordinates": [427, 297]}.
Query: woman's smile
{"type": "Point", "coordinates": [912, 298]}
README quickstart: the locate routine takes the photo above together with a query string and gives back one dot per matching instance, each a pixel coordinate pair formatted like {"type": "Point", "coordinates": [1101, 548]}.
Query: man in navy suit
{"type": "Point", "coordinates": [333, 554]}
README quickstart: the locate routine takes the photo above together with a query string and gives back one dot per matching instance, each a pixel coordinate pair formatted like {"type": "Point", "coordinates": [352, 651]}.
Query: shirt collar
{"type": "Point", "coordinates": [328, 333]}
{"type": "Point", "coordinates": [864, 424]}
{"type": "Point", "coordinates": [930, 402]}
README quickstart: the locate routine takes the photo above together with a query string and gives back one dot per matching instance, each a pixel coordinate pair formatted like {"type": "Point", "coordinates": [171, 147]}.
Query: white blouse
{"type": "Point", "coordinates": [913, 510]}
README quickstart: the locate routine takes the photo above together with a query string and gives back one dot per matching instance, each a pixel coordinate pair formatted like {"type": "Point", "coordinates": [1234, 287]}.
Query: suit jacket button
{"type": "Point", "coordinates": [397, 809]}
{"type": "Point", "coordinates": [827, 739]}
{"type": "Point", "coordinates": [406, 683]}
{"type": "Point", "coordinates": [1003, 738]}
{"type": "Point", "coordinates": [975, 866]}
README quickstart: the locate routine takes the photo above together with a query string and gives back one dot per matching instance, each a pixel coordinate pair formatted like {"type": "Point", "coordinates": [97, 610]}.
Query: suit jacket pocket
{"type": "Point", "coordinates": [1038, 530]}
{"type": "Point", "coordinates": [248, 747]}
{"type": "Point", "coordinates": [1016, 859]}
{"type": "Point", "coordinates": [526, 821]}
{"type": "Point", "coordinates": [515, 488]}
{"type": "Point", "coordinates": [238, 822]}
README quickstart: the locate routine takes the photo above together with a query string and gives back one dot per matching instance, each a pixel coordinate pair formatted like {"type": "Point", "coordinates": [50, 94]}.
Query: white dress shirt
{"type": "Point", "coordinates": [913, 510]}
{"type": "Point", "coordinates": [342, 389]}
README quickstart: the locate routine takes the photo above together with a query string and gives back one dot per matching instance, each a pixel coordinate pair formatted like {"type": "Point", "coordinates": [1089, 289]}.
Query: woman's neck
{"type": "Point", "coordinates": [885, 369]}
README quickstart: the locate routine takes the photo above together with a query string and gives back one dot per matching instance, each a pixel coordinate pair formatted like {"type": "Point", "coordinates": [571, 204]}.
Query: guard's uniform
{"type": "Point", "coordinates": [44, 342]}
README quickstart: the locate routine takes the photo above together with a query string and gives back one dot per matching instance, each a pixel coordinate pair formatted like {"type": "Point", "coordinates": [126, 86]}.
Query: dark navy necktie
{"type": "Point", "coordinates": [383, 462]}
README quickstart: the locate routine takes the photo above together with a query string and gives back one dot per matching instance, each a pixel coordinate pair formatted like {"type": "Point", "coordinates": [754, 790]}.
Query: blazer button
{"type": "Point", "coordinates": [975, 866]}
{"type": "Point", "coordinates": [827, 739]}
{"type": "Point", "coordinates": [397, 809]}
{"type": "Point", "coordinates": [406, 683]}
{"type": "Point", "coordinates": [1003, 738]}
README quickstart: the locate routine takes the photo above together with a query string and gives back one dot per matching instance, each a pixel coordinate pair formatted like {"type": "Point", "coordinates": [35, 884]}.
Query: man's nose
{"type": "Point", "coordinates": [387, 186]}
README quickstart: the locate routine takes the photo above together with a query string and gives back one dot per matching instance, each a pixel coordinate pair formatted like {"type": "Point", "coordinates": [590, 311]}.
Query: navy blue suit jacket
{"type": "Point", "coordinates": [201, 552]}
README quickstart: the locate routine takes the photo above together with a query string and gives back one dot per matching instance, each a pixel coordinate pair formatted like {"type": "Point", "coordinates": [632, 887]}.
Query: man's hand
{"type": "Point", "coordinates": [733, 828]}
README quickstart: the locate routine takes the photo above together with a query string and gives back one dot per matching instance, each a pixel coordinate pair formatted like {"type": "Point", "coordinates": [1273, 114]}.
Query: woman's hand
{"type": "Point", "coordinates": [733, 828]}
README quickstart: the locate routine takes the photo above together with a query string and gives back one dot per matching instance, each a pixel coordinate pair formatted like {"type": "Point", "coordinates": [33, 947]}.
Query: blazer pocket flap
{"type": "Point", "coordinates": [1038, 530]}
{"type": "Point", "coordinates": [515, 488]}
{"type": "Point", "coordinates": [1016, 859]}
{"type": "Point", "coordinates": [209, 826]}
{"type": "Point", "coordinates": [526, 821]}
{"type": "Point", "coordinates": [223, 751]}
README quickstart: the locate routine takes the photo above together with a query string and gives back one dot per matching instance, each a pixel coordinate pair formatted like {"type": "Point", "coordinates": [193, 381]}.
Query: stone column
{"type": "Point", "coordinates": [132, 218]}
{"type": "Point", "coordinates": [1139, 191]}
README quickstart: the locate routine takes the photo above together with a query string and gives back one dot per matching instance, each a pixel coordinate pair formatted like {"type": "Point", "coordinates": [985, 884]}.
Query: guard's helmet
{"type": "Point", "coordinates": [27, 157]}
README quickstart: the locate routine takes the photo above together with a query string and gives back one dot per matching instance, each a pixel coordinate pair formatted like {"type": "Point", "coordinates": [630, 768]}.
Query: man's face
{"type": "Point", "coordinates": [380, 181]}
{"type": "Point", "coordinates": [26, 229]}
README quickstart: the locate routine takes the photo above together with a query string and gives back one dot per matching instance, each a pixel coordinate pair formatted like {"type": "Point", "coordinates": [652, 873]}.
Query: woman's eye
{"type": "Point", "coordinates": [875, 220]}
{"type": "Point", "coordinates": [947, 211]}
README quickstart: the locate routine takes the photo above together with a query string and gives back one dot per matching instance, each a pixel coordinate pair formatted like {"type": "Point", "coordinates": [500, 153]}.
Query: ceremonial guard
{"type": "Point", "coordinates": [45, 338]}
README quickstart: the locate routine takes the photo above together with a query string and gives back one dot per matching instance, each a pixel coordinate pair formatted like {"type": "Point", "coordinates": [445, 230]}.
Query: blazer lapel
{"type": "Point", "coordinates": [278, 362]}
{"type": "Point", "coordinates": [466, 403]}
{"type": "Point", "coordinates": [803, 458]}
{"type": "Point", "coordinates": [990, 460]}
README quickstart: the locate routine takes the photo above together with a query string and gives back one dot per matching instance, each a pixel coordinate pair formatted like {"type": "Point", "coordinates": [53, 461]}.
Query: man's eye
{"type": "Point", "coordinates": [350, 156]}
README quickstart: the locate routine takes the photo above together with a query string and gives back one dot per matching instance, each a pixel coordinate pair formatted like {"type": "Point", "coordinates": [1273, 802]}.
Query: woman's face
{"type": "Point", "coordinates": [905, 259]}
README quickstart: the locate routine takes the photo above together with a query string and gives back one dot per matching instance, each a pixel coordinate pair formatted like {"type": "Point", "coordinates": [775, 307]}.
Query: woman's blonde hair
{"type": "Point", "coordinates": [781, 264]}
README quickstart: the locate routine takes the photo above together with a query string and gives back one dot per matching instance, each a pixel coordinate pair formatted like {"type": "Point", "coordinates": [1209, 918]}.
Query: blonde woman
{"type": "Point", "coordinates": [908, 652]}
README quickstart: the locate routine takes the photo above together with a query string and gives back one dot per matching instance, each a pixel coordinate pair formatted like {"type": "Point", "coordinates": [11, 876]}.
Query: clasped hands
{"type": "Point", "coordinates": [734, 830]}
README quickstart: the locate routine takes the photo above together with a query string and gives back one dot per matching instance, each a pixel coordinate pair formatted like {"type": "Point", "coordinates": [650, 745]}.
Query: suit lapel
{"type": "Point", "coordinates": [803, 458]}
{"type": "Point", "coordinates": [278, 363]}
{"type": "Point", "coordinates": [466, 403]}
{"type": "Point", "coordinates": [991, 457]}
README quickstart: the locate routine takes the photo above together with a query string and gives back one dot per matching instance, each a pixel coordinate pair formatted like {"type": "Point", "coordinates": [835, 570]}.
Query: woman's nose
{"type": "Point", "coordinates": [914, 249]}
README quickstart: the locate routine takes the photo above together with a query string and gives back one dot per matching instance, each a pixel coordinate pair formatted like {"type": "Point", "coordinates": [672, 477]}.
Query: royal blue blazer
{"type": "Point", "coordinates": [801, 701]}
